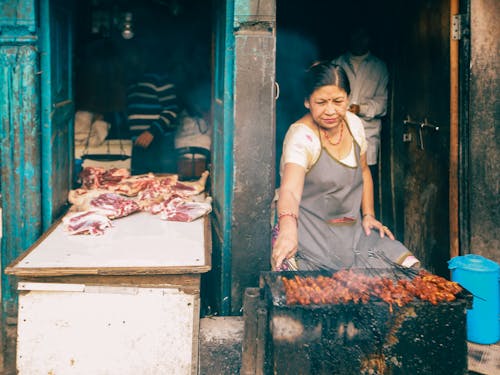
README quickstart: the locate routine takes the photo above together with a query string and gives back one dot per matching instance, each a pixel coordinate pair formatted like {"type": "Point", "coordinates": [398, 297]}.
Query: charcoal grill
{"type": "Point", "coordinates": [370, 338]}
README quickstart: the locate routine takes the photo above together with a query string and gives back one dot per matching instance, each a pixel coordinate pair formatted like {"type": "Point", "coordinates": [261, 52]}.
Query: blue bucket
{"type": "Point", "coordinates": [480, 276]}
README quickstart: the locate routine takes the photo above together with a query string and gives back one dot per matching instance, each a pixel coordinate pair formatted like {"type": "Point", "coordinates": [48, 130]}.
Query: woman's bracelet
{"type": "Point", "coordinates": [287, 213]}
{"type": "Point", "coordinates": [372, 215]}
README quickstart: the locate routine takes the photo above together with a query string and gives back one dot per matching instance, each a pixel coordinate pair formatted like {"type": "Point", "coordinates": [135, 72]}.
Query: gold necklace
{"type": "Point", "coordinates": [340, 136]}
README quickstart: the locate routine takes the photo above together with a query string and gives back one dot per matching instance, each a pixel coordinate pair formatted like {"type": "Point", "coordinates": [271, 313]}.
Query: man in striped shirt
{"type": "Point", "coordinates": [153, 111]}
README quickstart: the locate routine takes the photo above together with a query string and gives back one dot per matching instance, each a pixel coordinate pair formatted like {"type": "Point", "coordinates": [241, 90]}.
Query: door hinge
{"type": "Point", "coordinates": [457, 26]}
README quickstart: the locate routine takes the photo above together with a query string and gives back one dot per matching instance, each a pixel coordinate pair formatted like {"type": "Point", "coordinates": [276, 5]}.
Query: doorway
{"type": "Point", "coordinates": [413, 40]}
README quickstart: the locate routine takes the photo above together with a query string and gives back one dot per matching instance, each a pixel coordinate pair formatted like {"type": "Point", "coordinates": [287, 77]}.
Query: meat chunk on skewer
{"type": "Point", "coordinates": [348, 286]}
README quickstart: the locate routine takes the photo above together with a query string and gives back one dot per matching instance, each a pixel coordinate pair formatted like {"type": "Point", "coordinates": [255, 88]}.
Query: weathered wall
{"type": "Point", "coordinates": [484, 129]}
{"type": "Point", "coordinates": [253, 151]}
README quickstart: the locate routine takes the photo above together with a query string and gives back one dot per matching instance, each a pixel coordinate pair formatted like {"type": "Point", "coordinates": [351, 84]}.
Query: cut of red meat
{"type": "Point", "coordinates": [119, 181]}
{"type": "Point", "coordinates": [188, 188]}
{"type": "Point", "coordinates": [81, 198]}
{"type": "Point", "coordinates": [89, 177]}
{"type": "Point", "coordinates": [106, 193]}
{"type": "Point", "coordinates": [157, 191]}
{"type": "Point", "coordinates": [162, 204]}
{"type": "Point", "coordinates": [177, 209]}
{"type": "Point", "coordinates": [88, 222]}
{"type": "Point", "coordinates": [113, 205]}
{"type": "Point", "coordinates": [97, 177]}
{"type": "Point", "coordinates": [113, 176]}
{"type": "Point", "coordinates": [131, 186]}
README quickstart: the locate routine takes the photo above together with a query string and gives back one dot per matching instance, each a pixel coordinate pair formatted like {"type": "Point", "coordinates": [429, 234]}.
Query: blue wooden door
{"type": "Point", "coordinates": [57, 107]}
{"type": "Point", "coordinates": [222, 157]}
{"type": "Point", "coordinates": [19, 135]}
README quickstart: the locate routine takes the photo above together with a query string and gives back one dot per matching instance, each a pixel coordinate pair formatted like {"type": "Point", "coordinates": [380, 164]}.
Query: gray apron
{"type": "Point", "coordinates": [330, 232]}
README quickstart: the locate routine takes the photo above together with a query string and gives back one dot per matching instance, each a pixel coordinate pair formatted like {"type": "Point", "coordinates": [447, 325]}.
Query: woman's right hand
{"type": "Point", "coordinates": [290, 193]}
{"type": "Point", "coordinates": [285, 247]}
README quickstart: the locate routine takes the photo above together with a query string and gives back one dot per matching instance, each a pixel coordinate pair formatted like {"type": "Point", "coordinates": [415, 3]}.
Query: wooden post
{"type": "Point", "coordinates": [249, 347]}
{"type": "Point", "coordinates": [260, 358]}
{"type": "Point", "coordinates": [453, 175]}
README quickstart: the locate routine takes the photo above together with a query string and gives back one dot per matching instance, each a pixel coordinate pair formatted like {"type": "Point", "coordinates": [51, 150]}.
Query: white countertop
{"type": "Point", "coordinates": [140, 240]}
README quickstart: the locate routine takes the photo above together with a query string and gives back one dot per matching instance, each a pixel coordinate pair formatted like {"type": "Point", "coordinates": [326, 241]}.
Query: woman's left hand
{"type": "Point", "coordinates": [369, 223]}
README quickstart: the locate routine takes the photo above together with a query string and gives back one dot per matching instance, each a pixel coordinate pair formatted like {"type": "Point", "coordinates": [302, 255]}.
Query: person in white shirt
{"type": "Point", "coordinates": [368, 77]}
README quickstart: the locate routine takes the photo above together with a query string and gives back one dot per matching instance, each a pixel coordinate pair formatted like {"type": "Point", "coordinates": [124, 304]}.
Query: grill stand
{"type": "Point", "coordinates": [419, 338]}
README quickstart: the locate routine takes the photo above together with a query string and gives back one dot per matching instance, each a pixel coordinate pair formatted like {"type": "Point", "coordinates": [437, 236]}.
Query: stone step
{"type": "Point", "coordinates": [220, 345]}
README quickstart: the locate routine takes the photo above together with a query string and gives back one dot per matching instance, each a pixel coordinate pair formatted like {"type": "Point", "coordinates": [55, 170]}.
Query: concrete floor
{"type": "Point", "coordinates": [220, 348]}
{"type": "Point", "coordinates": [220, 345]}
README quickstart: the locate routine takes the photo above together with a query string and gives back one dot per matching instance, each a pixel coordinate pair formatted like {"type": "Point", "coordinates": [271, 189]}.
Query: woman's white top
{"type": "Point", "coordinates": [302, 145]}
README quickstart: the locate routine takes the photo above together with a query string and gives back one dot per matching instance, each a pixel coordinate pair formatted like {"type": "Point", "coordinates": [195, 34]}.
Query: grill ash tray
{"type": "Point", "coordinates": [363, 338]}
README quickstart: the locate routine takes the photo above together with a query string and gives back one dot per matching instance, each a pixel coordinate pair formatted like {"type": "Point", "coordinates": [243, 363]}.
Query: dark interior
{"type": "Point", "coordinates": [175, 37]}
{"type": "Point", "coordinates": [170, 36]}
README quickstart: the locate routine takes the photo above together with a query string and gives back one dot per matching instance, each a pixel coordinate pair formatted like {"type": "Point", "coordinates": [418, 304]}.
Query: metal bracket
{"type": "Point", "coordinates": [421, 125]}
{"type": "Point", "coordinates": [277, 95]}
{"type": "Point", "coordinates": [427, 124]}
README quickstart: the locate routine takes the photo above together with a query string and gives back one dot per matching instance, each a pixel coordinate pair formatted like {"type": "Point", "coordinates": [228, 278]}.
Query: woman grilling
{"type": "Point", "coordinates": [325, 207]}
